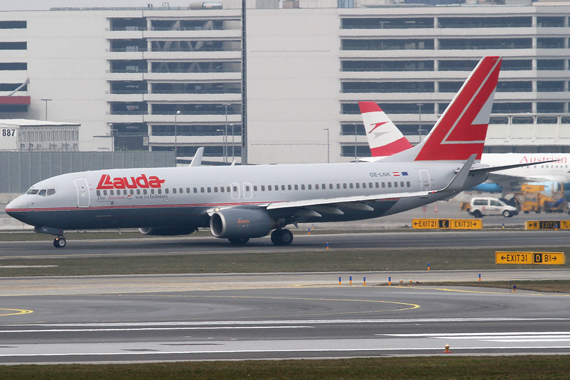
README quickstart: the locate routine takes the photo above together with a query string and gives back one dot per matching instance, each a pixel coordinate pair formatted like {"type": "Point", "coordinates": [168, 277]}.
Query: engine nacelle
{"type": "Point", "coordinates": [167, 231]}
{"type": "Point", "coordinates": [240, 223]}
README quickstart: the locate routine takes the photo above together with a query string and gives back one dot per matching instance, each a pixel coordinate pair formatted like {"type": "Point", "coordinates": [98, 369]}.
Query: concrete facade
{"type": "Point", "coordinates": [124, 74]}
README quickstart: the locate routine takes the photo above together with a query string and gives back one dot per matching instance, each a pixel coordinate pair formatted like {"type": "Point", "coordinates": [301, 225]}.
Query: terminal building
{"type": "Point", "coordinates": [164, 78]}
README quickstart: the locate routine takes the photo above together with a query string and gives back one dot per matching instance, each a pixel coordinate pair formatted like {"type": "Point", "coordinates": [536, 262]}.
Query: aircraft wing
{"type": "Point", "coordinates": [348, 202]}
{"type": "Point", "coordinates": [357, 202]}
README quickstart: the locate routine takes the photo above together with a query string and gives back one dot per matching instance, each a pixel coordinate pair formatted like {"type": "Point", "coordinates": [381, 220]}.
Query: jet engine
{"type": "Point", "coordinates": [167, 231]}
{"type": "Point", "coordinates": [240, 223]}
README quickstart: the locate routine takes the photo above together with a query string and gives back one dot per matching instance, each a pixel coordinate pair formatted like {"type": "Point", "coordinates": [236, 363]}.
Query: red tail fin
{"type": "Point", "coordinates": [462, 129]}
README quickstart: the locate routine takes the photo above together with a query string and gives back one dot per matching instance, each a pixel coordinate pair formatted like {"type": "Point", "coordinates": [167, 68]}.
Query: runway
{"type": "Point", "coordinates": [122, 319]}
{"type": "Point", "coordinates": [200, 245]}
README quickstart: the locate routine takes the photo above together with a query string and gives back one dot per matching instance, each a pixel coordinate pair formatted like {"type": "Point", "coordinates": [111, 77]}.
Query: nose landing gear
{"type": "Point", "coordinates": [59, 242]}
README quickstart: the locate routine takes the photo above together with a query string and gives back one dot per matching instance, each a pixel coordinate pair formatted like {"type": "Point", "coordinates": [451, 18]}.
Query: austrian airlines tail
{"type": "Point", "coordinates": [462, 128]}
{"type": "Point", "coordinates": [384, 138]}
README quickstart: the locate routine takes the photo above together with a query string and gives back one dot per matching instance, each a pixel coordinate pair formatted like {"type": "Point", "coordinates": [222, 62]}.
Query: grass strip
{"type": "Point", "coordinates": [535, 367]}
{"type": "Point", "coordinates": [353, 260]}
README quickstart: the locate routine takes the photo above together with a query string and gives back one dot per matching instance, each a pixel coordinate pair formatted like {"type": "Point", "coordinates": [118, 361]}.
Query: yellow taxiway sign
{"type": "Point", "coordinates": [447, 224]}
{"type": "Point", "coordinates": [547, 225]}
{"type": "Point", "coordinates": [544, 258]}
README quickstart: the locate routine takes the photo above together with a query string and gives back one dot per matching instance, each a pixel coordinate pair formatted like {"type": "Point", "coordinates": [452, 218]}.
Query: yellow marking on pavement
{"type": "Point", "coordinates": [6, 312]}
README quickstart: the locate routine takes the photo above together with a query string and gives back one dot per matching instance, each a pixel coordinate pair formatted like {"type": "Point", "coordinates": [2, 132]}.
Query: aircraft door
{"type": "Point", "coordinates": [424, 179]}
{"type": "Point", "coordinates": [82, 188]}
{"type": "Point", "coordinates": [235, 190]}
{"type": "Point", "coordinates": [247, 191]}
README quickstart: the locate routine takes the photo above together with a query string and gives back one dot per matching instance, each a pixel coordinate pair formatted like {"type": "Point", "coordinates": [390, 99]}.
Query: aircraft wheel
{"type": "Point", "coordinates": [59, 242]}
{"type": "Point", "coordinates": [275, 237]}
{"type": "Point", "coordinates": [281, 237]}
{"type": "Point", "coordinates": [238, 241]}
{"type": "Point", "coordinates": [286, 237]}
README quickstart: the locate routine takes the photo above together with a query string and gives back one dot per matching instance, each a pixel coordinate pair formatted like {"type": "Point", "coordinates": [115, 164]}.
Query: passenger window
{"type": "Point", "coordinates": [195, 190]}
{"type": "Point", "coordinates": [42, 193]}
{"type": "Point", "coordinates": [181, 190]}
{"type": "Point", "coordinates": [344, 186]}
{"type": "Point", "coordinates": [262, 187]}
{"type": "Point", "coordinates": [222, 189]}
{"type": "Point", "coordinates": [124, 192]}
{"type": "Point", "coordinates": [357, 185]}
{"type": "Point", "coordinates": [276, 187]}
{"type": "Point", "coordinates": [160, 191]}
{"type": "Point", "coordinates": [309, 186]}
{"type": "Point", "coordinates": [188, 189]}
{"type": "Point", "coordinates": [351, 185]}
{"type": "Point", "coordinates": [283, 187]}
{"type": "Point", "coordinates": [104, 192]}
{"type": "Point", "coordinates": [138, 192]}
{"type": "Point", "coordinates": [235, 189]}
{"type": "Point", "coordinates": [132, 192]}
{"type": "Point", "coordinates": [173, 191]}
{"type": "Point", "coordinates": [296, 187]}
{"type": "Point", "coordinates": [246, 188]}
{"type": "Point", "coordinates": [408, 184]}
{"type": "Point", "coordinates": [395, 184]}
{"type": "Point", "coordinates": [216, 189]}
{"type": "Point", "coordinates": [402, 184]}
{"type": "Point", "coordinates": [228, 189]}
{"type": "Point", "coordinates": [377, 185]}
{"type": "Point", "coordinates": [389, 184]}
{"type": "Point", "coordinates": [330, 186]}
{"type": "Point", "coordinates": [316, 186]}
{"type": "Point", "coordinates": [52, 192]}
{"type": "Point", "coordinates": [98, 193]}
{"type": "Point", "coordinates": [302, 187]}
{"type": "Point", "coordinates": [202, 190]}
{"type": "Point", "coordinates": [210, 189]}
{"type": "Point", "coordinates": [144, 191]}
{"type": "Point", "coordinates": [364, 185]}
{"type": "Point", "coordinates": [268, 187]}
{"type": "Point", "coordinates": [338, 185]}
{"type": "Point", "coordinates": [151, 191]}
{"type": "Point", "coordinates": [289, 187]}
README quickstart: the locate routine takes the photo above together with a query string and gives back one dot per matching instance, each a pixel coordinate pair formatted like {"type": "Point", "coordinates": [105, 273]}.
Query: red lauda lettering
{"type": "Point", "coordinates": [108, 183]}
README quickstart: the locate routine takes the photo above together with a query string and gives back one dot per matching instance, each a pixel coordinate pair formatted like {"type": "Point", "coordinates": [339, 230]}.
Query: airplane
{"type": "Point", "coordinates": [385, 139]}
{"type": "Point", "coordinates": [243, 202]}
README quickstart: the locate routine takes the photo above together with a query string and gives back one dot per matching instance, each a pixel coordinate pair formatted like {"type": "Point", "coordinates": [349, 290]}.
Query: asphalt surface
{"type": "Point", "coordinates": [298, 319]}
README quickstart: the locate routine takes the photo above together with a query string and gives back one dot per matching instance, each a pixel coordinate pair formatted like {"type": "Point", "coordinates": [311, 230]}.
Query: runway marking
{"type": "Point", "coordinates": [521, 337]}
{"type": "Point", "coordinates": [159, 329]}
{"type": "Point", "coordinates": [15, 312]}
{"type": "Point", "coordinates": [301, 322]}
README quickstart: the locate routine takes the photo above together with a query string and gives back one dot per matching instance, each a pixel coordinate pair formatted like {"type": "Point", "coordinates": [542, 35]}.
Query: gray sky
{"type": "Point", "coordinates": [18, 5]}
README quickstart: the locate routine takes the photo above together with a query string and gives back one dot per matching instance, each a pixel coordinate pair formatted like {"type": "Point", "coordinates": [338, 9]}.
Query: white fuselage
{"type": "Point", "coordinates": [183, 196]}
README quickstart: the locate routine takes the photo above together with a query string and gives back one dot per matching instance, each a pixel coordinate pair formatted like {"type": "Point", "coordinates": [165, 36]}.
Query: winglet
{"type": "Point", "coordinates": [197, 160]}
{"type": "Point", "coordinates": [458, 182]}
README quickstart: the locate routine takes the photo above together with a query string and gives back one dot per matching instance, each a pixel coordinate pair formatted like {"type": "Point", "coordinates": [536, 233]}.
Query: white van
{"type": "Point", "coordinates": [491, 206]}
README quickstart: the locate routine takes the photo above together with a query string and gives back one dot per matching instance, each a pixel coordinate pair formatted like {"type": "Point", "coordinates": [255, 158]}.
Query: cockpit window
{"type": "Point", "coordinates": [50, 192]}
{"type": "Point", "coordinates": [42, 192]}
{"type": "Point", "coordinates": [32, 191]}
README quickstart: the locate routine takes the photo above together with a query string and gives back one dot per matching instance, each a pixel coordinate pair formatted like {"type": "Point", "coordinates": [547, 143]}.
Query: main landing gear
{"type": "Point", "coordinates": [59, 242]}
{"type": "Point", "coordinates": [281, 237]}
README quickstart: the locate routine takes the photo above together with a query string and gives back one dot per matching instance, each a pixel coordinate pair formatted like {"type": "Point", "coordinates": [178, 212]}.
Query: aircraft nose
{"type": "Point", "coordinates": [17, 204]}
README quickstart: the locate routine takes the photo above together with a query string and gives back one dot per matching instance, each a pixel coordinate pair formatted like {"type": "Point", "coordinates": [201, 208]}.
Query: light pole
{"type": "Point", "coordinates": [46, 100]}
{"type": "Point", "coordinates": [328, 145]}
{"type": "Point", "coordinates": [226, 134]}
{"type": "Point", "coordinates": [355, 154]}
{"type": "Point", "coordinates": [420, 126]}
{"type": "Point", "coordinates": [176, 134]}
{"type": "Point", "coordinates": [233, 147]}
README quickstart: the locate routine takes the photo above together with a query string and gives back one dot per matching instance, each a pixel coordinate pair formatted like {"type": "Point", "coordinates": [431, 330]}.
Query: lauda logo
{"type": "Point", "coordinates": [142, 182]}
